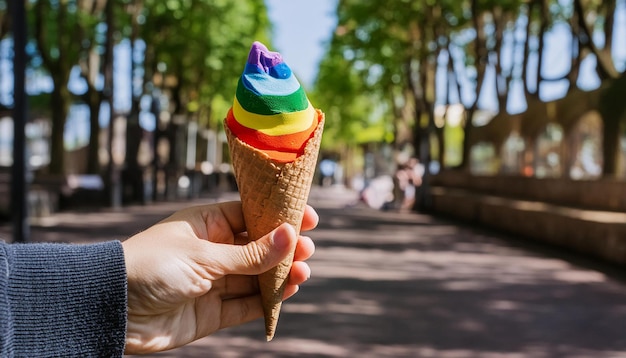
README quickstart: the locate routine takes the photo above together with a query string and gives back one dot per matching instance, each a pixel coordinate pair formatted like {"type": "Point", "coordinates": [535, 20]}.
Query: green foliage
{"type": "Point", "coordinates": [366, 65]}
{"type": "Point", "coordinates": [382, 49]}
{"type": "Point", "coordinates": [202, 44]}
{"type": "Point", "coordinates": [191, 43]}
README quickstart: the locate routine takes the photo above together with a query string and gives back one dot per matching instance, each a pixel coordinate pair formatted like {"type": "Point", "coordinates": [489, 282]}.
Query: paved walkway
{"type": "Point", "coordinates": [391, 284]}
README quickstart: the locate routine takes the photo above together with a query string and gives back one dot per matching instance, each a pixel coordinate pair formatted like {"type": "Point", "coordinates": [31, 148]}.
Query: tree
{"type": "Point", "coordinates": [57, 33]}
{"type": "Point", "coordinates": [92, 63]}
{"type": "Point", "coordinates": [190, 46]}
{"type": "Point", "coordinates": [392, 50]}
{"type": "Point", "coordinates": [612, 106]}
{"type": "Point", "coordinates": [398, 45]}
{"type": "Point", "coordinates": [192, 42]}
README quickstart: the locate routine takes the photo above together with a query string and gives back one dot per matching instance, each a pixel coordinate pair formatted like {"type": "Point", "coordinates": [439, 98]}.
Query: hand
{"type": "Point", "coordinates": [195, 273]}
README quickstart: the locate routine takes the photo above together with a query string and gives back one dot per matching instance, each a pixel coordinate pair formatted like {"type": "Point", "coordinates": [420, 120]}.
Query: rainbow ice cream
{"type": "Point", "coordinates": [270, 111]}
{"type": "Point", "coordinates": [274, 134]}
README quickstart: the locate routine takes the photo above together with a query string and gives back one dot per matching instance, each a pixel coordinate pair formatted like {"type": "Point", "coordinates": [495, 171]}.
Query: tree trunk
{"type": "Point", "coordinates": [613, 110]}
{"type": "Point", "coordinates": [133, 173]}
{"type": "Point", "coordinates": [467, 133]}
{"type": "Point", "coordinates": [441, 145]}
{"type": "Point", "coordinates": [112, 176]}
{"type": "Point", "coordinates": [93, 159]}
{"type": "Point", "coordinates": [61, 98]}
{"type": "Point", "coordinates": [610, 146]}
{"type": "Point", "coordinates": [480, 48]}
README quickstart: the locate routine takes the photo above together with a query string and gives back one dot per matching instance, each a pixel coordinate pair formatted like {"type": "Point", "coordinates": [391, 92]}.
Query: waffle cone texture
{"type": "Point", "coordinates": [273, 193]}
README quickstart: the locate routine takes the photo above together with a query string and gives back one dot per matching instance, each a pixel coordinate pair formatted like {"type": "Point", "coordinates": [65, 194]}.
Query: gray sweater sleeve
{"type": "Point", "coordinates": [61, 300]}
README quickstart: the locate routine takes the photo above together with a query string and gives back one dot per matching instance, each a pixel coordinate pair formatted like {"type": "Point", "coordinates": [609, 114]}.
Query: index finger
{"type": "Point", "coordinates": [234, 216]}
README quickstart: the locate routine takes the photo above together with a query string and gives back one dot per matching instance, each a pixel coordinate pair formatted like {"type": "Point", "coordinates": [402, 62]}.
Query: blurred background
{"type": "Point", "coordinates": [509, 116]}
{"type": "Point", "coordinates": [126, 98]}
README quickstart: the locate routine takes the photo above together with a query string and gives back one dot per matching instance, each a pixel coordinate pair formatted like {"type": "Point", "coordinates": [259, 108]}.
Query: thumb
{"type": "Point", "coordinates": [261, 255]}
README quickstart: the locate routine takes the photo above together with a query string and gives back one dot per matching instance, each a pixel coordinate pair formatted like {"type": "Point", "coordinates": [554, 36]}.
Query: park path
{"type": "Point", "coordinates": [389, 284]}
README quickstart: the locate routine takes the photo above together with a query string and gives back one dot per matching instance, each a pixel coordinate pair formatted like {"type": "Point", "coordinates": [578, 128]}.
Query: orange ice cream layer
{"type": "Point", "coordinates": [281, 148]}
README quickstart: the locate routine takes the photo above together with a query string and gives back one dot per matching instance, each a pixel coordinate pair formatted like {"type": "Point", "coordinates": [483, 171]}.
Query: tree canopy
{"type": "Point", "coordinates": [388, 64]}
{"type": "Point", "coordinates": [188, 49]}
{"type": "Point", "coordinates": [410, 56]}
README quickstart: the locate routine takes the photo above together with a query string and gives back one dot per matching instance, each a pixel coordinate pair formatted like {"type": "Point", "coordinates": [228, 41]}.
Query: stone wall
{"type": "Point", "coordinates": [588, 217]}
{"type": "Point", "coordinates": [598, 194]}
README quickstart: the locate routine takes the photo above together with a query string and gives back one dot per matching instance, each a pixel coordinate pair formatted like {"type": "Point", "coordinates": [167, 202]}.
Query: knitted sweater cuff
{"type": "Point", "coordinates": [67, 300]}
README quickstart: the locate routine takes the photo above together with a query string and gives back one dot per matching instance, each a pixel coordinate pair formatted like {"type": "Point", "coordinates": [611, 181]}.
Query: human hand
{"type": "Point", "coordinates": [195, 273]}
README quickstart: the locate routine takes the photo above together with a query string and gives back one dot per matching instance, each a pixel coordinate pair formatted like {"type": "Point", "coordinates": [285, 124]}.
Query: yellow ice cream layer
{"type": "Point", "coordinates": [275, 124]}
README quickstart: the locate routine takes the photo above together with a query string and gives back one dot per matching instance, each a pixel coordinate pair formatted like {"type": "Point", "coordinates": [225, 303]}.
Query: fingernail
{"type": "Point", "coordinates": [281, 236]}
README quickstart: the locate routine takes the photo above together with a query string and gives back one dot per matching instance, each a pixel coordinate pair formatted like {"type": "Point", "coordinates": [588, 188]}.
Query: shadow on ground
{"type": "Point", "coordinates": [406, 285]}
{"type": "Point", "coordinates": [391, 284]}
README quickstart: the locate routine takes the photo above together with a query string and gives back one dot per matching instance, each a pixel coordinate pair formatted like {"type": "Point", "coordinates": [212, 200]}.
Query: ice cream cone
{"type": "Point", "coordinates": [273, 193]}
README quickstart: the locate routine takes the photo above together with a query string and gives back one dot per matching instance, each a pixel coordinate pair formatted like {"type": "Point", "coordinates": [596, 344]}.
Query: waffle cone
{"type": "Point", "coordinates": [273, 193]}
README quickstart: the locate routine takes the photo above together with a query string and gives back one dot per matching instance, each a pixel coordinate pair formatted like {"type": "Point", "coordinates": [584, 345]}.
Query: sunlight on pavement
{"type": "Point", "coordinates": [388, 284]}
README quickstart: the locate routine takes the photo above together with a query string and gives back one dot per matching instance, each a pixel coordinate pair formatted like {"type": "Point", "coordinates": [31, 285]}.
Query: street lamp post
{"type": "Point", "coordinates": [19, 186]}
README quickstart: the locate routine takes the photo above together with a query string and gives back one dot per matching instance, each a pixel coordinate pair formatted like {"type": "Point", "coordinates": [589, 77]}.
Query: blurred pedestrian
{"type": "Point", "coordinates": [378, 193]}
{"type": "Point", "coordinates": [407, 178]}
{"type": "Point", "coordinates": [180, 280]}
